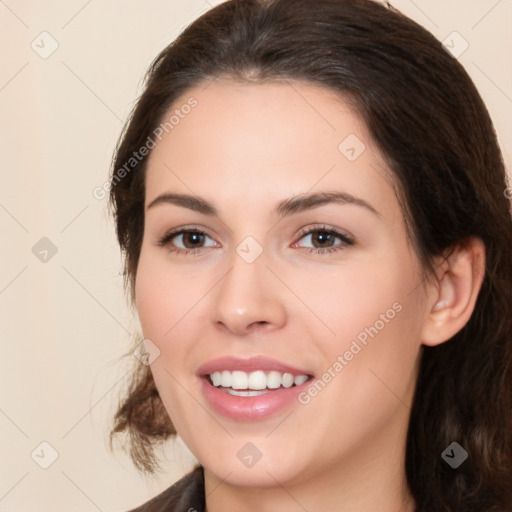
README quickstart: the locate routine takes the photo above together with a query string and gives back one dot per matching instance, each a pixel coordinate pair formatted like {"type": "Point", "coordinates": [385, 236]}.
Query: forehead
{"type": "Point", "coordinates": [267, 139]}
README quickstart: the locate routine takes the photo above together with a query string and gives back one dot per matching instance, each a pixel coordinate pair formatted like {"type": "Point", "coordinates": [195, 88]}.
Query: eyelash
{"type": "Point", "coordinates": [346, 240]}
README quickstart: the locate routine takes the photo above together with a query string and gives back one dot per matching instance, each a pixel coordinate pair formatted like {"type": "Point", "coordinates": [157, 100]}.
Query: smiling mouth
{"type": "Point", "coordinates": [256, 383]}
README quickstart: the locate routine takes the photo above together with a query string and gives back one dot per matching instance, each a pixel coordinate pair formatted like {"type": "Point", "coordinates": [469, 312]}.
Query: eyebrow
{"type": "Point", "coordinates": [284, 208]}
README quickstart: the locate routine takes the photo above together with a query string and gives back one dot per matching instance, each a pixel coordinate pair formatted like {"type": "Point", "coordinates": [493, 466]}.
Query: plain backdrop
{"type": "Point", "coordinates": [70, 72]}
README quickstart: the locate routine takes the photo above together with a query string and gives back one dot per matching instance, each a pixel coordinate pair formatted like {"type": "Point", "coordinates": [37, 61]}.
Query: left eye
{"type": "Point", "coordinates": [323, 239]}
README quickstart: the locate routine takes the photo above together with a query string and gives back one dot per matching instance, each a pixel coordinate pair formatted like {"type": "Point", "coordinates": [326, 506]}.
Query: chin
{"type": "Point", "coordinates": [263, 474]}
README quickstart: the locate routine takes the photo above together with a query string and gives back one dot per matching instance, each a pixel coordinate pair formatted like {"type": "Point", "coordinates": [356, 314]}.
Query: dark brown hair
{"type": "Point", "coordinates": [433, 129]}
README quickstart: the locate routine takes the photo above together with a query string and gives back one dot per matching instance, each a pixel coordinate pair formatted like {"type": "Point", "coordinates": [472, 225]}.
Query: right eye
{"type": "Point", "coordinates": [185, 241]}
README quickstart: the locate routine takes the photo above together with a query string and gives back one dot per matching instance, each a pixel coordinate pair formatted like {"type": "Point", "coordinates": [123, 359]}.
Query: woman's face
{"type": "Point", "coordinates": [289, 261]}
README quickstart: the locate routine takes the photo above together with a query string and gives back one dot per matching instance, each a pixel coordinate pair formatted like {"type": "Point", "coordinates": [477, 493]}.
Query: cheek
{"type": "Point", "coordinates": [375, 315]}
{"type": "Point", "coordinates": [376, 350]}
{"type": "Point", "coordinates": [369, 368]}
{"type": "Point", "coordinates": [151, 300]}
{"type": "Point", "coordinates": [372, 295]}
{"type": "Point", "coordinates": [162, 298]}
{"type": "Point", "coordinates": [162, 303]}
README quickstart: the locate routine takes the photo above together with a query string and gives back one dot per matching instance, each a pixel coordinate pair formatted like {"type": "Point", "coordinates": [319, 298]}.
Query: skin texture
{"type": "Point", "coordinates": [244, 148]}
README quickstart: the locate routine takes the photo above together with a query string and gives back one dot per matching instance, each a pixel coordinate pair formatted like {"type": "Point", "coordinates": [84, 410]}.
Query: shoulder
{"type": "Point", "coordinates": [186, 495]}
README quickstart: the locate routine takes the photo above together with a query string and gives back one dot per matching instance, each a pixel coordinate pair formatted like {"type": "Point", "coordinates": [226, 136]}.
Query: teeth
{"type": "Point", "coordinates": [274, 380]}
{"type": "Point", "coordinates": [287, 380]}
{"type": "Point", "coordinates": [225, 379]}
{"type": "Point", "coordinates": [255, 381]}
{"type": "Point", "coordinates": [235, 392]}
{"type": "Point", "coordinates": [216, 378]}
{"type": "Point", "coordinates": [300, 379]}
{"type": "Point", "coordinates": [239, 380]}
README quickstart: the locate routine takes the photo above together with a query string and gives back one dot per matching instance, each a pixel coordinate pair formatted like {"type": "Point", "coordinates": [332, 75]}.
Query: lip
{"type": "Point", "coordinates": [250, 364]}
{"type": "Point", "coordinates": [251, 408]}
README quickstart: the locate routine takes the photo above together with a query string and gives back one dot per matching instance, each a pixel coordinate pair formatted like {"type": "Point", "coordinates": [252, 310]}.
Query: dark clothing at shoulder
{"type": "Point", "coordinates": [186, 495]}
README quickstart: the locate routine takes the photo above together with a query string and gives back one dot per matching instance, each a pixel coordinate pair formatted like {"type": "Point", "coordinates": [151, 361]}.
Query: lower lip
{"type": "Point", "coordinates": [250, 408]}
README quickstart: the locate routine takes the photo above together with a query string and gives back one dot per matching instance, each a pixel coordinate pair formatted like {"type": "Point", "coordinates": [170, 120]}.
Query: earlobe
{"type": "Point", "coordinates": [453, 295]}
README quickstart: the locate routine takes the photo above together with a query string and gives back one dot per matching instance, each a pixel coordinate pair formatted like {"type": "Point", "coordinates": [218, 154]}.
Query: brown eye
{"type": "Point", "coordinates": [191, 239]}
{"type": "Point", "coordinates": [322, 239]}
{"type": "Point", "coordinates": [185, 241]}
{"type": "Point", "coordinates": [325, 240]}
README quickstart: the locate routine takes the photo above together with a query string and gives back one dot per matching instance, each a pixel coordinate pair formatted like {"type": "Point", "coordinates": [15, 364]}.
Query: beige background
{"type": "Point", "coordinates": [65, 323]}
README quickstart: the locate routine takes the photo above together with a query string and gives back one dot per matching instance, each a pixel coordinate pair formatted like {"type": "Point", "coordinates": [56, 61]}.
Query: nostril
{"type": "Point", "coordinates": [258, 325]}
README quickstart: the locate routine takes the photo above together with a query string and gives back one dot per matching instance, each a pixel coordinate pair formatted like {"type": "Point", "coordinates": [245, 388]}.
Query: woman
{"type": "Point", "coordinates": [313, 210]}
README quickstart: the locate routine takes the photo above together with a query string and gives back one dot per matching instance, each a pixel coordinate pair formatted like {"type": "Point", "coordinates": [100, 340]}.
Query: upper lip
{"type": "Point", "coordinates": [249, 364]}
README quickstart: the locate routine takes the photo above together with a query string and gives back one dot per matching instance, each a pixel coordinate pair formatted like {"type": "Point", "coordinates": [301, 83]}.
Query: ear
{"type": "Point", "coordinates": [452, 294]}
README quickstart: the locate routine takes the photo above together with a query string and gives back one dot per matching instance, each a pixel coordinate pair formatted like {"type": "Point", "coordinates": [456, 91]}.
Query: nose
{"type": "Point", "coordinates": [248, 299]}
